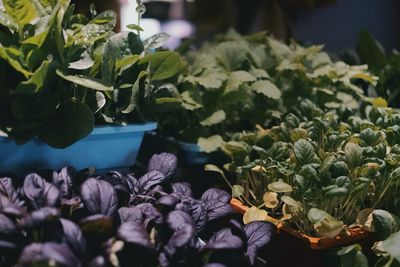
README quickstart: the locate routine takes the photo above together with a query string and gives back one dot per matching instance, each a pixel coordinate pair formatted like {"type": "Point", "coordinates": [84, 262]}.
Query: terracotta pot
{"type": "Point", "coordinates": [305, 250]}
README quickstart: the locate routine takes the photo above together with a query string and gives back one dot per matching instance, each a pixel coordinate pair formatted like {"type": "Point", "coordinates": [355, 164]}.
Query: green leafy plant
{"type": "Point", "coordinates": [237, 82]}
{"type": "Point", "coordinates": [387, 228]}
{"type": "Point", "coordinates": [384, 65]}
{"type": "Point", "coordinates": [321, 172]}
{"type": "Point", "coordinates": [61, 72]}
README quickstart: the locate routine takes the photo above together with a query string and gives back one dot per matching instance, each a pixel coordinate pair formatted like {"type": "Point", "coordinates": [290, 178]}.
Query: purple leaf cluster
{"type": "Point", "coordinates": [72, 220]}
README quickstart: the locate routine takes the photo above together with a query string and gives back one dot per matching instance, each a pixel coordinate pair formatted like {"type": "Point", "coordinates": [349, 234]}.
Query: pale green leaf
{"type": "Point", "coordinates": [391, 246]}
{"type": "Point", "coordinates": [215, 118]}
{"type": "Point", "coordinates": [280, 187]}
{"type": "Point", "coordinates": [188, 102]}
{"type": "Point", "coordinates": [210, 144]}
{"type": "Point", "coordinates": [156, 40]}
{"type": "Point", "coordinates": [266, 88]}
{"type": "Point", "coordinates": [22, 11]}
{"type": "Point", "coordinates": [87, 82]}
{"type": "Point", "coordinates": [237, 190]}
{"type": "Point", "coordinates": [210, 79]}
{"type": "Point", "coordinates": [237, 78]}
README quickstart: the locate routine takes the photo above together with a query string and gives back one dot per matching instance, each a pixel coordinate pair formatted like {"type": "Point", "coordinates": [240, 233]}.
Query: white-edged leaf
{"type": "Point", "coordinates": [215, 118]}
{"type": "Point", "coordinates": [210, 144]}
{"type": "Point", "coordinates": [87, 82]}
{"type": "Point", "coordinates": [267, 88]}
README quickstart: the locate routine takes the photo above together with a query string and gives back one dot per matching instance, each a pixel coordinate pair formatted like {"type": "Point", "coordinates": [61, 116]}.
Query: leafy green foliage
{"type": "Point", "coordinates": [384, 65]}
{"type": "Point", "coordinates": [62, 73]}
{"type": "Point", "coordinates": [253, 80]}
{"type": "Point", "coordinates": [332, 164]}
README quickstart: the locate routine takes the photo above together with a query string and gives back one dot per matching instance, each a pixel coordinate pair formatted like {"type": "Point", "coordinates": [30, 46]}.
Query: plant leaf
{"type": "Point", "coordinates": [215, 118]}
{"type": "Point", "coordinates": [353, 154]}
{"type": "Point", "coordinates": [163, 65]}
{"type": "Point", "coordinates": [88, 82]}
{"type": "Point", "coordinates": [210, 144]}
{"type": "Point", "coordinates": [78, 122]}
{"type": "Point", "coordinates": [23, 11]}
{"type": "Point", "coordinates": [267, 88]}
{"type": "Point", "coordinates": [303, 151]}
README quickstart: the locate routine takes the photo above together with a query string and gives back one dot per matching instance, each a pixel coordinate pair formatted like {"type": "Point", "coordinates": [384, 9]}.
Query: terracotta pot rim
{"type": "Point", "coordinates": [355, 233]}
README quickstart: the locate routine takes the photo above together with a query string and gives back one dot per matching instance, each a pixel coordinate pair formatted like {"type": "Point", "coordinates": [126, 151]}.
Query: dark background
{"type": "Point", "coordinates": [335, 23]}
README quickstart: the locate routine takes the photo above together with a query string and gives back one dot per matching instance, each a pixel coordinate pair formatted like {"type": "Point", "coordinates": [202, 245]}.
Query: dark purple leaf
{"type": "Point", "coordinates": [7, 189]}
{"type": "Point", "coordinates": [131, 181]}
{"type": "Point", "coordinates": [157, 191]}
{"type": "Point", "coordinates": [199, 215]}
{"type": "Point", "coordinates": [141, 199]}
{"type": "Point", "coordinates": [214, 194]}
{"type": "Point", "coordinates": [99, 197]}
{"type": "Point", "coordinates": [168, 201]}
{"type": "Point", "coordinates": [258, 234]}
{"type": "Point", "coordinates": [97, 228]}
{"type": "Point", "coordinates": [165, 163]}
{"type": "Point", "coordinates": [182, 236]}
{"type": "Point", "coordinates": [237, 229]}
{"type": "Point", "coordinates": [182, 189]}
{"type": "Point", "coordinates": [134, 233]}
{"type": "Point", "coordinates": [99, 261]}
{"type": "Point", "coordinates": [14, 211]}
{"type": "Point", "coordinates": [131, 214]}
{"type": "Point", "coordinates": [150, 214]}
{"type": "Point", "coordinates": [6, 225]}
{"type": "Point", "coordinates": [177, 218]}
{"type": "Point", "coordinates": [73, 237]}
{"type": "Point", "coordinates": [45, 253]}
{"type": "Point", "coordinates": [39, 192]}
{"type": "Point", "coordinates": [40, 217]}
{"type": "Point", "coordinates": [224, 240]}
{"type": "Point", "coordinates": [217, 204]}
{"type": "Point", "coordinates": [117, 180]}
{"type": "Point", "coordinates": [64, 181]}
{"type": "Point", "coordinates": [149, 180]}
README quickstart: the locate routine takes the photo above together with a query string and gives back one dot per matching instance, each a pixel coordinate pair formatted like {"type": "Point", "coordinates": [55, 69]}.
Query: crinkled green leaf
{"type": "Point", "coordinates": [353, 153]}
{"type": "Point", "coordinates": [385, 223]}
{"type": "Point", "coordinates": [304, 152]}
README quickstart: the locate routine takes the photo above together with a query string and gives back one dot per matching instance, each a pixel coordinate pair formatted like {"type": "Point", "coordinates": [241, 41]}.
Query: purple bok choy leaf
{"type": "Point", "coordinates": [48, 254]}
{"type": "Point", "coordinates": [165, 163]}
{"type": "Point", "coordinates": [39, 193]}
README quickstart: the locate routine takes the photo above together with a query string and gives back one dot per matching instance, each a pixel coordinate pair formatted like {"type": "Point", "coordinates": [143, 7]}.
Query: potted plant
{"type": "Point", "coordinates": [318, 175]}
{"type": "Point", "coordinates": [384, 252]}
{"type": "Point", "coordinates": [73, 220]}
{"type": "Point", "coordinates": [384, 65]}
{"type": "Point", "coordinates": [63, 73]}
{"type": "Point", "coordinates": [262, 76]}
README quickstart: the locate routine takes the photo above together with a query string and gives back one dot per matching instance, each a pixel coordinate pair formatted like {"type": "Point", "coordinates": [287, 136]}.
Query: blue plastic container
{"type": "Point", "coordinates": [189, 154]}
{"type": "Point", "coordinates": [107, 147]}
